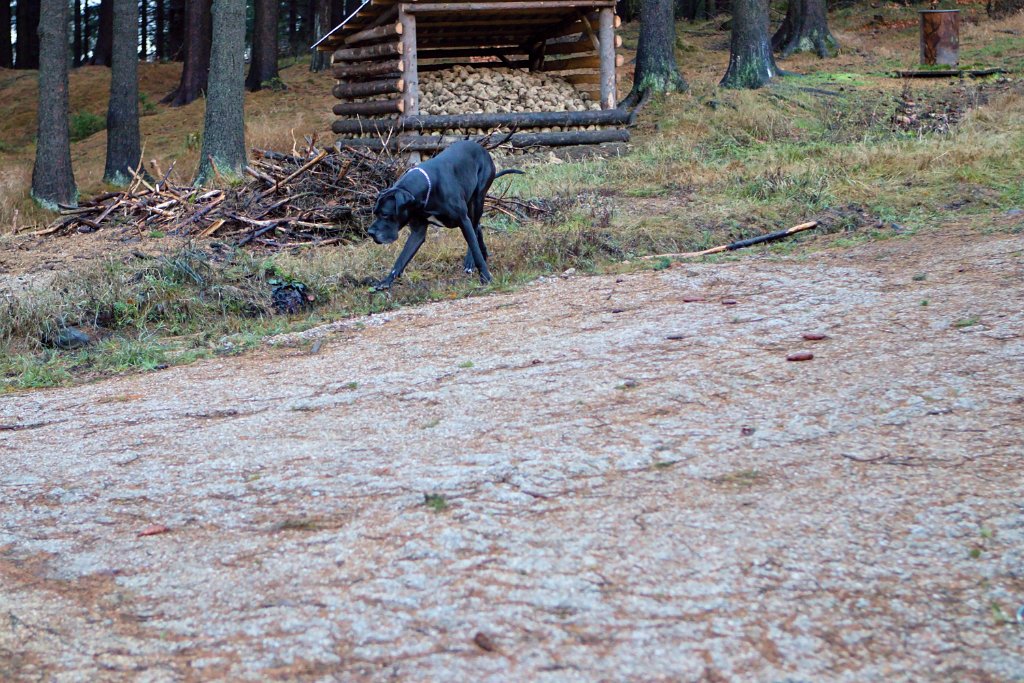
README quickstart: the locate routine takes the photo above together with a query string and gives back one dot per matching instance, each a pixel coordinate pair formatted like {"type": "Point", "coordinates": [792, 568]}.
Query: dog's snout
{"type": "Point", "coordinates": [381, 233]}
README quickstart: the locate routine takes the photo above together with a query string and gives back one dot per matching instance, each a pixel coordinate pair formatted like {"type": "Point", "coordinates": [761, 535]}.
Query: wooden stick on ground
{"type": "Point", "coordinates": [305, 167]}
{"type": "Point", "coordinates": [738, 245]}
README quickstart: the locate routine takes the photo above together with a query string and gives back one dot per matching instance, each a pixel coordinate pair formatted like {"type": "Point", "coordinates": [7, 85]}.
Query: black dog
{"type": "Point", "coordinates": [450, 188]}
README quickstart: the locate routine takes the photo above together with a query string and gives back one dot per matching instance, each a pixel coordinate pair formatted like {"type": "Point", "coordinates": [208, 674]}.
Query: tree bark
{"type": "Point", "coordinates": [195, 71]}
{"type": "Point", "coordinates": [52, 179]}
{"type": "Point", "coordinates": [174, 47]}
{"type": "Point", "coordinates": [224, 125]}
{"type": "Point", "coordinates": [751, 64]}
{"type": "Point", "coordinates": [104, 35]}
{"type": "Point", "coordinates": [263, 67]}
{"type": "Point", "coordinates": [6, 48]}
{"type": "Point", "coordinates": [123, 146]}
{"type": "Point", "coordinates": [27, 44]}
{"type": "Point", "coordinates": [656, 70]}
{"type": "Point", "coordinates": [805, 29]}
{"type": "Point", "coordinates": [321, 18]}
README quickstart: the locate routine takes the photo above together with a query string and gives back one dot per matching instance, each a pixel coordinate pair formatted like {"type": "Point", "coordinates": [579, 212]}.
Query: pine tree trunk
{"type": "Point", "coordinates": [627, 9]}
{"type": "Point", "coordinates": [656, 70]}
{"type": "Point", "coordinates": [781, 35]}
{"type": "Point", "coordinates": [52, 179]}
{"type": "Point", "coordinates": [104, 35]}
{"type": "Point", "coordinates": [751, 63]}
{"type": "Point", "coordinates": [338, 12]}
{"type": "Point", "coordinates": [6, 48]}
{"type": "Point", "coordinates": [160, 32]}
{"type": "Point", "coordinates": [27, 44]}
{"type": "Point", "coordinates": [174, 47]}
{"type": "Point", "coordinates": [123, 147]}
{"type": "Point", "coordinates": [321, 17]}
{"type": "Point", "coordinates": [195, 71]}
{"type": "Point", "coordinates": [263, 67]}
{"type": "Point", "coordinates": [293, 25]}
{"type": "Point", "coordinates": [144, 31]}
{"type": "Point", "coordinates": [76, 50]}
{"type": "Point", "coordinates": [85, 33]}
{"type": "Point", "coordinates": [694, 10]}
{"type": "Point", "coordinates": [224, 124]}
{"type": "Point", "coordinates": [805, 29]}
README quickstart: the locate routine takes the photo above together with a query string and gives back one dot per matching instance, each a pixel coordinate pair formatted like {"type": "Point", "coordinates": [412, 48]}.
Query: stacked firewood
{"type": "Point", "coordinates": [467, 90]}
{"type": "Point", "coordinates": [315, 197]}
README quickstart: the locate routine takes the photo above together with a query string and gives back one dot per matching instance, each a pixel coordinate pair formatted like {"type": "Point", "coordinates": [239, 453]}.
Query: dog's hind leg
{"type": "Point", "coordinates": [476, 213]}
{"type": "Point", "coordinates": [469, 232]}
{"type": "Point", "coordinates": [417, 236]}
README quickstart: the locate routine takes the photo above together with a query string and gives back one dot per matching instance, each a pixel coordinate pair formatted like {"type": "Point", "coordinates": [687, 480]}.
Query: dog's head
{"type": "Point", "coordinates": [392, 212]}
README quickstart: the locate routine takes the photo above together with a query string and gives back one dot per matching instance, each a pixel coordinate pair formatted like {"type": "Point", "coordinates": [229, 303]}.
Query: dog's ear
{"type": "Point", "coordinates": [404, 199]}
{"type": "Point", "coordinates": [381, 197]}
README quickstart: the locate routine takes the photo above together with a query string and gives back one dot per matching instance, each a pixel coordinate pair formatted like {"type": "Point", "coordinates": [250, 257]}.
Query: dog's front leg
{"type": "Point", "coordinates": [469, 232]}
{"type": "Point", "coordinates": [417, 236]}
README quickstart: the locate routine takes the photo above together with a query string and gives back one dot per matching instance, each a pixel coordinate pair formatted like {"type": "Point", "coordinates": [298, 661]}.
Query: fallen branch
{"type": "Point", "coordinates": [302, 169]}
{"type": "Point", "coordinates": [739, 244]}
{"type": "Point", "coordinates": [947, 73]}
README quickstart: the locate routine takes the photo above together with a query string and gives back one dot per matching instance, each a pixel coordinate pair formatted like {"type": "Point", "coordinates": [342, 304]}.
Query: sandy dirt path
{"type": "Point", "coordinates": [638, 487]}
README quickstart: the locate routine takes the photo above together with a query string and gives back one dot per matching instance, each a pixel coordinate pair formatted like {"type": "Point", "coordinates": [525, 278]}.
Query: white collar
{"type": "Point", "coordinates": [429, 184]}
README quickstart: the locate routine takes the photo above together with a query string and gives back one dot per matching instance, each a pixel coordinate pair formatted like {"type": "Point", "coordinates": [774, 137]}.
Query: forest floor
{"type": "Point", "coordinates": [591, 478]}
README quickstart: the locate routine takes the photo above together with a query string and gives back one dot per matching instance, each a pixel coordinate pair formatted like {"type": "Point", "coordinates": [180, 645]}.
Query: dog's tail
{"type": "Point", "coordinates": [508, 171]}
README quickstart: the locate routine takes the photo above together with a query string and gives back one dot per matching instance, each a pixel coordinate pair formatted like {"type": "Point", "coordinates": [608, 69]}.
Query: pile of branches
{"type": "Point", "coordinates": [311, 198]}
{"type": "Point", "coordinates": [317, 197]}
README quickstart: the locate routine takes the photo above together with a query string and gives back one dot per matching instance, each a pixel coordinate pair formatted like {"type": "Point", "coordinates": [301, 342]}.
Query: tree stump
{"type": "Point", "coordinates": [940, 36]}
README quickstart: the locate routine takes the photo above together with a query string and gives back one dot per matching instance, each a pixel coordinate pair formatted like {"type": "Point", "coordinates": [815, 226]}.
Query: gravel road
{"type": "Point", "coordinates": [593, 478]}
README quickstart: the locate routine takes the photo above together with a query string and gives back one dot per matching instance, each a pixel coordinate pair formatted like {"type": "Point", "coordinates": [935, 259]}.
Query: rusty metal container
{"type": "Point", "coordinates": [940, 36]}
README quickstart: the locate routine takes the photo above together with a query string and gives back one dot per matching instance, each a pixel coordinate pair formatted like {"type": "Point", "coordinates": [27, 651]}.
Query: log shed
{"type": "Point", "coordinates": [381, 51]}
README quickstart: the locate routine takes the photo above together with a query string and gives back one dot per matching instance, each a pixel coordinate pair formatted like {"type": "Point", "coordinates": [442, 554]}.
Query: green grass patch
{"type": "Point", "coordinates": [435, 501]}
{"type": "Point", "coordinates": [84, 124]}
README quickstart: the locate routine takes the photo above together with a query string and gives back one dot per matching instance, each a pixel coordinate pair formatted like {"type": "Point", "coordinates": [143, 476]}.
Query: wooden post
{"type": "Point", "coordinates": [606, 33]}
{"type": "Point", "coordinates": [536, 56]}
{"type": "Point", "coordinates": [410, 73]}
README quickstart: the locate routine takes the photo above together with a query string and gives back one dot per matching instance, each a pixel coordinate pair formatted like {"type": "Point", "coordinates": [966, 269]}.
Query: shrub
{"type": "Point", "coordinates": [84, 123]}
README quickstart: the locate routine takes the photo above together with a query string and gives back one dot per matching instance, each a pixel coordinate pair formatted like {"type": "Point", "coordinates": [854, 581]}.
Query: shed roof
{"type": "Point", "coordinates": [468, 23]}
